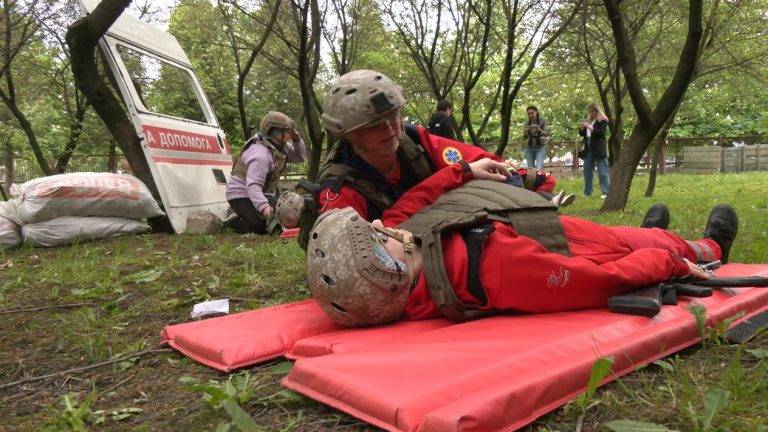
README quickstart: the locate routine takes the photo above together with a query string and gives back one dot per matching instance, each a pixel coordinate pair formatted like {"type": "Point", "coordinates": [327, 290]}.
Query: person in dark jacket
{"type": "Point", "coordinates": [441, 123]}
{"type": "Point", "coordinates": [593, 130]}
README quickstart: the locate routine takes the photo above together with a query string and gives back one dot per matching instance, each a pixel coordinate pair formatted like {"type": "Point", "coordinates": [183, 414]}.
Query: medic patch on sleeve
{"type": "Point", "coordinates": [451, 155]}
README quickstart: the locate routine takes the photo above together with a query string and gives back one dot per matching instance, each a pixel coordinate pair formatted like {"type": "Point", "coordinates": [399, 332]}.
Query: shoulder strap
{"type": "Point", "coordinates": [415, 156]}
{"type": "Point", "coordinates": [342, 175]}
{"type": "Point", "coordinates": [439, 285]}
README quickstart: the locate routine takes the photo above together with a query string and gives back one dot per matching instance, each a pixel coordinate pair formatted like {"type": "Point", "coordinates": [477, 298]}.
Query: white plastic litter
{"type": "Point", "coordinates": [210, 307]}
{"type": "Point", "coordinates": [69, 229]}
{"type": "Point", "coordinates": [10, 232]}
{"type": "Point", "coordinates": [82, 194]}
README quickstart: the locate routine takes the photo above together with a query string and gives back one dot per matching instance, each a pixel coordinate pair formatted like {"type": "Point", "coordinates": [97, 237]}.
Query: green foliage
{"type": "Point", "coordinates": [74, 416]}
{"type": "Point", "coordinates": [634, 426]}
{"type": "Point", "coordinates": [599, 371]}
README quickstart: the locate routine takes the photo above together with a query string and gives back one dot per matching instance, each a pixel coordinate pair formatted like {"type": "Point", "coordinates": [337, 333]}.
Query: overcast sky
{"type": "Point", "coordinates": [159, 10]}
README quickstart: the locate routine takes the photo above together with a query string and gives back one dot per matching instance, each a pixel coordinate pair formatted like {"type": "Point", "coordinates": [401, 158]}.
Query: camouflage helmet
{"type": "Point", "coordinates": [288, 209]}
{"type": "Point", "coordinates": [276, 119]}
{"type": "Point", "coordinates": [359, 98]}
{"type": "Point", "coordinates": [351, 275]}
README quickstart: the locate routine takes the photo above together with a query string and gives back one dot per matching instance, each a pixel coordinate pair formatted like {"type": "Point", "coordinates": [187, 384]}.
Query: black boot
{"type": "Point", "coordinates": [722, 226]}
{"type": "Point", "coordinates": [656, 217]}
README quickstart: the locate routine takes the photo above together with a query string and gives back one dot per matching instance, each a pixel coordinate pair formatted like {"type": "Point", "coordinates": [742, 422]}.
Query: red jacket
{"type": "Point", "coordinates": [518, 274]}
{"type": "Point", "coordinates": [442, 152]}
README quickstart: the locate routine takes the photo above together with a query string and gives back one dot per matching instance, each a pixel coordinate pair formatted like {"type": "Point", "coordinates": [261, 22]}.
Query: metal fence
{"type": "Point", "coordinates": [27, 168]}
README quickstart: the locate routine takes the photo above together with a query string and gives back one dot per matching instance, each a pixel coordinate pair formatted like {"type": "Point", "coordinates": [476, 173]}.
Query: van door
{"type": "Point", "coordinates": [186, 149]}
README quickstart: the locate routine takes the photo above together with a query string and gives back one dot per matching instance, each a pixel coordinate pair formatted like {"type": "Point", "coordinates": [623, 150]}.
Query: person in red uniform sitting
{"type": "Point", "coordinates": [371, 273]}
{"type": "Point", "coordinates": [377, 157]}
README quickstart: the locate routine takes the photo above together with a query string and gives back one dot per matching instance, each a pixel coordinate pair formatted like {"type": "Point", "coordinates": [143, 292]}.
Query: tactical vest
{"type": "Point", "coordinates": [279, 158]}
{"type": "Point", "coordinates": [474, 203]}
{"type": "Point", "coordinates": [408, 151]}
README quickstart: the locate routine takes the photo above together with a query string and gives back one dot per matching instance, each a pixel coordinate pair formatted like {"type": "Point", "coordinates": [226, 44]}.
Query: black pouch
{"type": "Point", "coordinates": [308, 216]}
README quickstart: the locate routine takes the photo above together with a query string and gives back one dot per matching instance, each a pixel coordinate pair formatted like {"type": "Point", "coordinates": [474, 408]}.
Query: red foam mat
{"type": "Point", "coordinates": [247, 338]}
{"type": "Point", "coordinates": [354, 339]}
{"type": "Point", "coordinates": [499, 373]}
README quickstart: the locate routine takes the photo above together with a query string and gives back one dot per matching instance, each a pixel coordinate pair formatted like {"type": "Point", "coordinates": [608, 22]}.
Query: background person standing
{"type": "Point", "coordinates": [595, 153]}
{"type": "Point", "coordinates": [441, 123]}
{"type": "Point", "coordinates": [536, 134]}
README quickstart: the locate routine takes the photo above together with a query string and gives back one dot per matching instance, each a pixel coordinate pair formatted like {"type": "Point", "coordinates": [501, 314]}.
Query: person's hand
{"type": "Point", "coordinates": [267, 212]}
{"type": "Point", "coordinates": [585, 125]}
{"type": "Point", "coordinates": [696, 271]}
{"type": "Point", "coordinates": [295, 135]}
{"type": "Point", "coordinates": [489, 169]}
{"type": "Point", "coordinates": [511, 162]}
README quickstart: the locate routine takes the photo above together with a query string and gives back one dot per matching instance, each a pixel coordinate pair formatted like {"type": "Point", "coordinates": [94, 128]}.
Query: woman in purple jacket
{"type": "Point", "coordinates": [252, 187]}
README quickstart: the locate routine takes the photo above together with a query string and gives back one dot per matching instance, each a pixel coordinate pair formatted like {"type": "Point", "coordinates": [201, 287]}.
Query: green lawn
{"type": "Point", "coordinates": [135, 286]}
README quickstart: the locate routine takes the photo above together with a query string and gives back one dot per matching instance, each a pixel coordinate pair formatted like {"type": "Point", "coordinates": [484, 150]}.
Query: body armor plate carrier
{"type": "Point", "coordinates": [477, 202]}
{"type": "Point", "coordinates": [342, 175]}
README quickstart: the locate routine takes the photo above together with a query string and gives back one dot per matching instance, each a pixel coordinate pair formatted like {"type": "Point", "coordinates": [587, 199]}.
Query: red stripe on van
{"type": "Point", "coordinates": [176, 140]}
{"type": "Point", "coordinates": [183, 161]}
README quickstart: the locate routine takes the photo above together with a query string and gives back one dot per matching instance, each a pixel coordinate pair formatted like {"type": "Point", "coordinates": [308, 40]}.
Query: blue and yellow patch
{"type": "Point", "coordinates": [451, 155]}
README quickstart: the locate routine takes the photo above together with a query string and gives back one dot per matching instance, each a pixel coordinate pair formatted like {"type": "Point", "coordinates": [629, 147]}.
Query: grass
{"type": "Point", "coordinates": [134, 286]}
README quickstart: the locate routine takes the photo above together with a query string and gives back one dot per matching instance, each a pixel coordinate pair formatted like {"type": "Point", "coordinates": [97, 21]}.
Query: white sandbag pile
{"type": "Point", "coordinates": [83, 194]}
{"type": "Point", "coordinates": [10, 231]}
{"type": "Point", "coordinates": [68, 229]}
{"type": "Point", "coordinates": [65, 208]}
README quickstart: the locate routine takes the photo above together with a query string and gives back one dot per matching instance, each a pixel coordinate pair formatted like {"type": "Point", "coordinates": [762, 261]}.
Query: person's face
{"type": "Point", "coordinates": [591, 112]}
{"type": "Point", "coordinates": [377, 140]}
{"type": "Point", "coordinates": [531, 114]}
{"type": "Point", "coordinates": [282, 135]}
{"type": "Point", "coordinates": [395, 248]}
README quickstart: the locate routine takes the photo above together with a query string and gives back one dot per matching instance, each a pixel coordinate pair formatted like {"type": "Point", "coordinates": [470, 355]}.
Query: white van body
{"type": "Point", "coordinates": [187, 151]}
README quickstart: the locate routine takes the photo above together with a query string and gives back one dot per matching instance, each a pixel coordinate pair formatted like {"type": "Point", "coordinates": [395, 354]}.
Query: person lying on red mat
{"type": "Point", "coordinates": [458, 246]}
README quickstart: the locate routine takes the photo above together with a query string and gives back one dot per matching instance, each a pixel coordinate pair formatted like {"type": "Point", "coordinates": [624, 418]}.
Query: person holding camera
{"type": "Point", "coordinates": [536, 134]}
{"type": "Point", "coordinates": [595, 154]}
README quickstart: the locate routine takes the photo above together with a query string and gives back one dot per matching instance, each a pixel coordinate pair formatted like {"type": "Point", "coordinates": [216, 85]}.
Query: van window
{"type": "Point", "coordinates": [162, 87]}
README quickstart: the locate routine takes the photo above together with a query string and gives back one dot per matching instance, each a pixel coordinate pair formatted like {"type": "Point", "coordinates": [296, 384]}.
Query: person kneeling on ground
{"type": "Point", "coordinates": [252, 187]}
{"type": "Point", "coordinates": [458, 246]}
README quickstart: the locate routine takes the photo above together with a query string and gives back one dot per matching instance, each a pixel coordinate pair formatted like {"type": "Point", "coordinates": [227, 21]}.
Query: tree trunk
{"type": "Point", "coordinates": [112, 157]}
{"type": "Point", "coordinates": [8, 162]}
{"type": "Point", "coordinates": [658, 161]}
{"type": "Point", "coordinates": [243, 74]}
{"type": "Point", "coordinates": [26, 127]}
{"type": "Point", "coordinates": [75, 129]}
{"type": "Point", "coordinates": [308, 62]}
{"type": "Point", "coordinates": [649, 120]}
{"type": "Point", "coordinates": [623, 170]}
{"type": "Point", "coordinates": [82, 37]}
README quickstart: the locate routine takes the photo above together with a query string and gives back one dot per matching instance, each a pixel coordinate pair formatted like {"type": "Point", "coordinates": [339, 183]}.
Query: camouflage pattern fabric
{"type": "Point", "coordinates": [353, 280]}
{"type": "Point", "coordinates": [358, 99]}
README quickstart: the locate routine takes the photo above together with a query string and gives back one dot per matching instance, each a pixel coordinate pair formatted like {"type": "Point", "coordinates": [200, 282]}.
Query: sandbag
{"type": "Point", "coordinates": [10, 232]}
{"type": "Point", "coordinates": [69, 229]}
{"type": "Point", "coordinates": [82, 194]}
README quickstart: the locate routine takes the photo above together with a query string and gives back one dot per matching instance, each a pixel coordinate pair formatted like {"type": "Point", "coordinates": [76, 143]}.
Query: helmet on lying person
{"type": "Point", "coordinates": [351, 275]}
{"type": "Point", "coordinates": [359, 99]}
